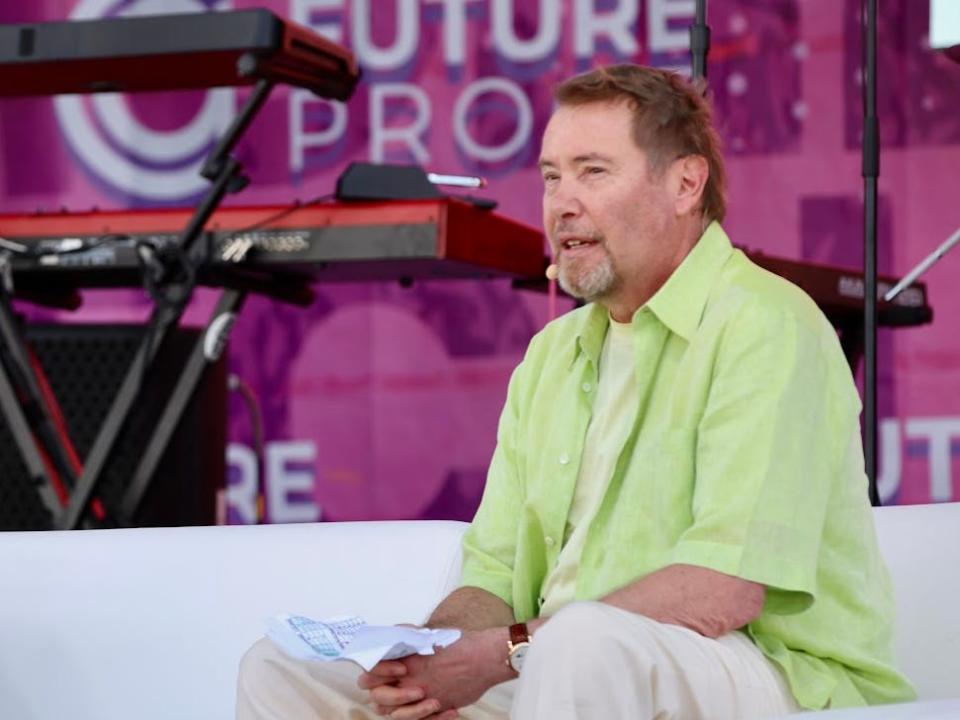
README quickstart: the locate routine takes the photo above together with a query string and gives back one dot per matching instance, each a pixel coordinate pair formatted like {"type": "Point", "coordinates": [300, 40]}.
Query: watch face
{"type": "Point", "coordinates": [518, 655]}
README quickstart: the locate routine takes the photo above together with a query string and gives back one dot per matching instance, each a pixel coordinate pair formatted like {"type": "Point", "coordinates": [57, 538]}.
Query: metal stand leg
{"type": "Point", "coordinates": [24, 439]}
{"type": "Point", "coordinates": [25, 408]}
{"type": "Point", "coordinates": [206, 351]}
{"type": "Point", "coordinates": [113, 423]}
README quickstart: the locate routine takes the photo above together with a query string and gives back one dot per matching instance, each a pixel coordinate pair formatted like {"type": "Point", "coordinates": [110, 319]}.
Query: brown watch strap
{"type": "Point", "coordinates": [519, 634]}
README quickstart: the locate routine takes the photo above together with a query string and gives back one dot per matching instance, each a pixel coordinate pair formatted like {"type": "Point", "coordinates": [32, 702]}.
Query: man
{"type": "Point", "coordinates": [675, 522]}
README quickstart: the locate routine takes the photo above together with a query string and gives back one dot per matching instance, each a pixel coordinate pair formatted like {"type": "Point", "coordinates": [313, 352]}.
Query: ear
{"type": "Point", "coordinates": [692, 172]}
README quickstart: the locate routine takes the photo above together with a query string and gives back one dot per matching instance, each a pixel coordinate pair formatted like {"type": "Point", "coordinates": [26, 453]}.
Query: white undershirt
{"type": "Point", "coordinates": [614, 410]}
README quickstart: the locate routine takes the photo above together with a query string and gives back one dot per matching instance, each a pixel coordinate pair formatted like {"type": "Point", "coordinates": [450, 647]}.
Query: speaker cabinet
{"type": "Point", "coordinates": [84, 365]}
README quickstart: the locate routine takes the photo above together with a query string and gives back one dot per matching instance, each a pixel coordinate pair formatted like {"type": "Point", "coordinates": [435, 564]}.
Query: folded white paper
{"type": "Point", "coordinates": [350, 638]}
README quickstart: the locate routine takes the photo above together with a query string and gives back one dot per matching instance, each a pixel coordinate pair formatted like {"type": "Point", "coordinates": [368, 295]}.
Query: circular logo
{"type": "Point", "coordinates": [117, 147]}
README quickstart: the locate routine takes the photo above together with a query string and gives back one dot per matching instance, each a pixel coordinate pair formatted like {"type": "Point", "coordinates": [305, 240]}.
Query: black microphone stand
{"type": "Point", "coordinates": [871, 173]}
{"type": "Point", "coordinates": [699, 50]}
{"type": "Point", "coordinates": [699, 43]}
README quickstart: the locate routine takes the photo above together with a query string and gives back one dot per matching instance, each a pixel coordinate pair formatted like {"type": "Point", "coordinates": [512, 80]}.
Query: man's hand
{"type": "Point", "coordinates": [402, 703]}
{"type": "Point", "coordinates": [435, 686]}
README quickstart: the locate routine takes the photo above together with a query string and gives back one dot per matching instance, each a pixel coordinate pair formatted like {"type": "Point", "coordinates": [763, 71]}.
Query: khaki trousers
{"type": "Point", "coordinates": [590, 661]}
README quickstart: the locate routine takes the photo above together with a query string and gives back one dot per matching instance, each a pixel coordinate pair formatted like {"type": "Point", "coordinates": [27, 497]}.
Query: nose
{"type": "Point", "coordinates": [562, 202]}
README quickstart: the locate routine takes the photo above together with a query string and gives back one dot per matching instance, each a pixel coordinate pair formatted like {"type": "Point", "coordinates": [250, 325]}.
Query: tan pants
{"type": "Point", "coordinates": [590, 661]}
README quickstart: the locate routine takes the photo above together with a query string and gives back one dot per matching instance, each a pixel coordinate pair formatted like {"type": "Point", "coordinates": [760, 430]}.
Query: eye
{"type": "Point", "coordinates": [595, 170]}
{"type": "Point", "coordinates": [550, 177]}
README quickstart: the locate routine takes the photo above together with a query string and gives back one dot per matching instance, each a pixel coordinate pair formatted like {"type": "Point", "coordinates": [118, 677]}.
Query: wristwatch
{"type": "Point", "coordinates": [517, 646]}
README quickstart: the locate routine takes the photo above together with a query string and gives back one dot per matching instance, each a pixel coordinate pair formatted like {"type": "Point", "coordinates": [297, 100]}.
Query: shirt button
{"type": "Point", "coordinates": [564, 459]}
{"type": "Point", "coordinates": [548, 540]}
{"type": "Point", "coordinates": [587, 387]}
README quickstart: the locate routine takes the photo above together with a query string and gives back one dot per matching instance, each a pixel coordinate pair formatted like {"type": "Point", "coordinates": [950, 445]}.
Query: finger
{"type": "Point", "coordinates": [450, 714]}
{"type": "Point", "coordinates": [391, 710]}
{"type": "Point", "coordinates": [381, 675]}
{"type": "Point", "coordinates": [389, 668]}
{"type": "Point", "coordinates": [393, 696]}
{"type": "Point", "coordinates": [367, 681]}
{"type": "Point", "coordinates": [417, 711]}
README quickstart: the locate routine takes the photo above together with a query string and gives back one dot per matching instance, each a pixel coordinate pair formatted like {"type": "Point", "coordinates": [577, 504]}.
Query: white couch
{"type": "Point", "coordinates": [151, 623]}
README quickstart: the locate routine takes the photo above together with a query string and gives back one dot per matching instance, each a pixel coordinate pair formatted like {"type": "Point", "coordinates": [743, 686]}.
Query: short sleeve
{"type": "Point", "coordinates": [770, 446]}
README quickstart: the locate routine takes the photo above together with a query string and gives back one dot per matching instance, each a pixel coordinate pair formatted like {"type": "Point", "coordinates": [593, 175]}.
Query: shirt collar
{"type": "Point", "coordinates": [680, 301]}
{"type": "Point", "coordinates": [678, 304]}
{"type": "Point", "coordinates": [589, 338]}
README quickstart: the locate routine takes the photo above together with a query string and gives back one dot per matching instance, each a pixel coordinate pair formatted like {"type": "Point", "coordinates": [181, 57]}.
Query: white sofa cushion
{"type": "Point", "coordinates": [150, 624]}
{"type": "Point", "coordinates": [927, 710]}
{"type": "Point", "coordinates": [921, 544]}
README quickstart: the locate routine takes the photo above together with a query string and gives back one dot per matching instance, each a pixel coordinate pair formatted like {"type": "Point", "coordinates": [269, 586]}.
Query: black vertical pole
{"type": "Point", "coordinates": [871, 173]}
{"type": "Point", "coordinates": [699, 43]}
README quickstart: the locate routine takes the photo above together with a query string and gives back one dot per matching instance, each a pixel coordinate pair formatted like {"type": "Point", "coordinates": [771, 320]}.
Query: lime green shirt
{"type": "Point", "coordinates": [744, 457]}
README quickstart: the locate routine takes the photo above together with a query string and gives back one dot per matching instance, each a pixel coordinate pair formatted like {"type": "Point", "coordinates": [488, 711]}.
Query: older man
{"type": "Point", "coordinates": [675, 522]}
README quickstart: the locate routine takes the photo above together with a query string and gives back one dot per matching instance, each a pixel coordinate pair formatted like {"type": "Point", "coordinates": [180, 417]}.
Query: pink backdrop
{"type": "Point", "coordinates": [380, 401]}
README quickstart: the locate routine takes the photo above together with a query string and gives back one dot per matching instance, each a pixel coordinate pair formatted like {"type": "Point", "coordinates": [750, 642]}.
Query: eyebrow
{"type": "Point", "coordinates": [578, 160]}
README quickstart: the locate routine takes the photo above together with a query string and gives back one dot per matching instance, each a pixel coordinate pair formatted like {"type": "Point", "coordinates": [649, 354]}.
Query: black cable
{"type": "Point", "coordinates": [234, 382]}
